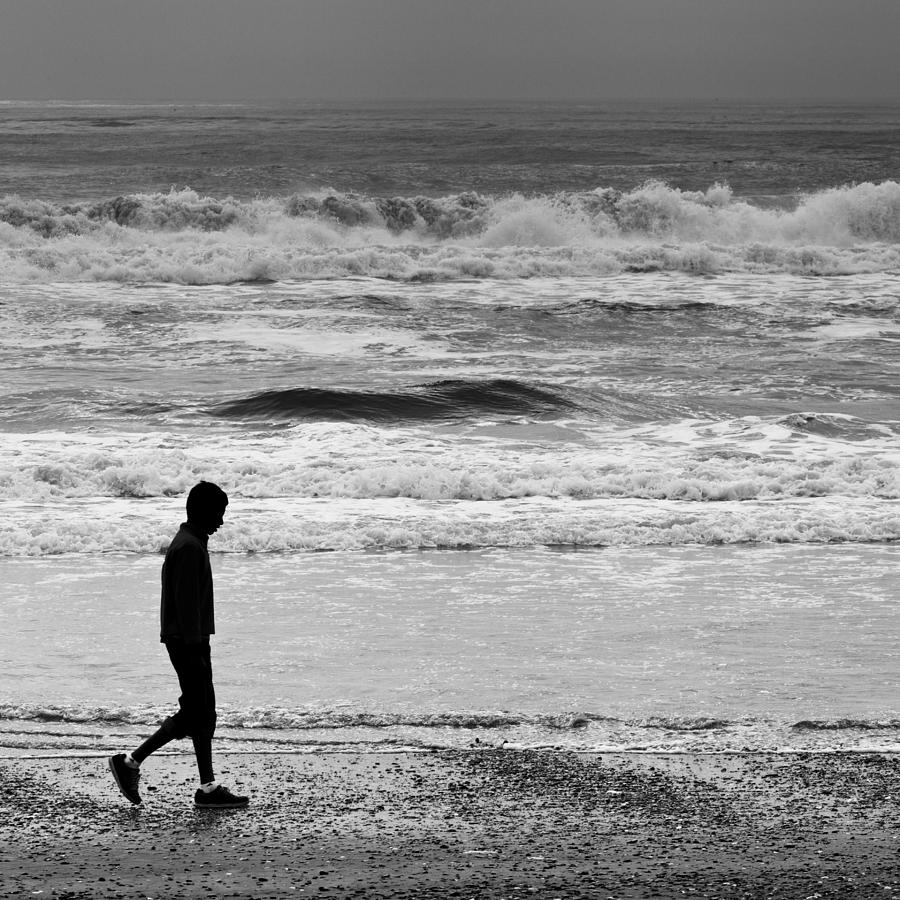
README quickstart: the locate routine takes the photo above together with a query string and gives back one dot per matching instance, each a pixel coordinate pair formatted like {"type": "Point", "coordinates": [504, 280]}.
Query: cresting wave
{"type": "Point", "coordinates": [187, 238]}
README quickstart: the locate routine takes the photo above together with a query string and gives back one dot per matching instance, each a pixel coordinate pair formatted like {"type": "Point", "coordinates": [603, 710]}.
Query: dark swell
{"type": "Point", "coordinates": [454, 399]}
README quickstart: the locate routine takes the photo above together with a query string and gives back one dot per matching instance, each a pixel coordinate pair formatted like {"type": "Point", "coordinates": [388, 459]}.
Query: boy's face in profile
{"type": "Point", "coordinates": [211, 519]}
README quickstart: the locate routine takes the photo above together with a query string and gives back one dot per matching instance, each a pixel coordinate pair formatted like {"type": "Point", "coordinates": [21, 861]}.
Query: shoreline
{"type": "Point", "coordinates": [315, 751]}
{"type": "Point", "coordinates": [459, 824]}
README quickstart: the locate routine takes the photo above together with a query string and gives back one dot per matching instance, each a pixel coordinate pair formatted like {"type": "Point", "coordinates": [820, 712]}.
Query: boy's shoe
{"type": "Point", "coordinates": [219, 798]}
{"type": "Point", "coordinates": [126, 777]}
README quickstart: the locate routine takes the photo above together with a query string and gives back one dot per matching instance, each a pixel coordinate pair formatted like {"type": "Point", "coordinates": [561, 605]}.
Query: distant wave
{"type": "Point", "coordinates": [452, 399]}
{"type": "Point", "coordinates": [187, 238]}
{"type": "Point", "coordinates": [866, 212]}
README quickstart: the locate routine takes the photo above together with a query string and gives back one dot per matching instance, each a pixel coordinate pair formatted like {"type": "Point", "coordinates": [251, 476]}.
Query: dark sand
{"type": "Point", "coordinates": [480, 824]}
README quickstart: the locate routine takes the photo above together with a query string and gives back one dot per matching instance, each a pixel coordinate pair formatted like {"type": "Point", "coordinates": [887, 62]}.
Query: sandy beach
{"type": "Point", "coordinates": [491, 823]}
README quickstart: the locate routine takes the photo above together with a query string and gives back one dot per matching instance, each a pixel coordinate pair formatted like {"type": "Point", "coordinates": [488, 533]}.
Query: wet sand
{"type": "Point", "coordinates": [460, 824]}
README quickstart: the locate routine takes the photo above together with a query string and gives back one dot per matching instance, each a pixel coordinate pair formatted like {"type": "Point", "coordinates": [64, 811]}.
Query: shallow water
{"type": "Point", "coordinates": [717, 648]}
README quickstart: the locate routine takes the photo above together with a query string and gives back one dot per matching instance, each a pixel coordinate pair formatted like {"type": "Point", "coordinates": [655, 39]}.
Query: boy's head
{"type": "Point", "coordinates": [206, 504]}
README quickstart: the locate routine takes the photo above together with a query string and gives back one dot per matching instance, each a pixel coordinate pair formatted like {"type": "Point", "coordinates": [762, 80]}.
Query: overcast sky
{"type": "Point", "coordinates": [330, 49]}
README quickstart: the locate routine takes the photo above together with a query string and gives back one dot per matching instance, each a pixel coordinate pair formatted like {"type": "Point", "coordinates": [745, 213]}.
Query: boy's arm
{"type": "Point", "coordinates": [187, 586]}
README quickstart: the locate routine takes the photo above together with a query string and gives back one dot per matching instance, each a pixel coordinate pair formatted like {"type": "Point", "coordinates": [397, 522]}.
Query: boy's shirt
{"type": "Point", "coordinates": [187, 588]}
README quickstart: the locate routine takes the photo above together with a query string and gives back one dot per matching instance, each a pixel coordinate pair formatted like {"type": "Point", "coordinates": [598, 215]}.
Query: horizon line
{"type": "Point", "coordinates": [177, 101]}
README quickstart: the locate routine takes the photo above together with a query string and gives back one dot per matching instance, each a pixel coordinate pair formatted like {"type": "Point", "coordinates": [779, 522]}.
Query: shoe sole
{"type": "Point", "coordinates": [115, 775]}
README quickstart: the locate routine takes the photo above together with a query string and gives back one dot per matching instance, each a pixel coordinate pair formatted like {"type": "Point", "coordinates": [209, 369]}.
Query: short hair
{"type": "Point", "coordinates": [205, 497]}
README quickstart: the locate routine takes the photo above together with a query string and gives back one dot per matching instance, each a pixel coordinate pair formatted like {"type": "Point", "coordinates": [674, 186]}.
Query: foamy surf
{"type": "Point", "coordinates": [303, 524]}
{"type": "Point", "coordinates": [389, 484]}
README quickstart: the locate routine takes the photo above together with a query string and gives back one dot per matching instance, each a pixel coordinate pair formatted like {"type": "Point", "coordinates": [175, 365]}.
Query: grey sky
{"type": "Point", "coordinates": [238, 49]}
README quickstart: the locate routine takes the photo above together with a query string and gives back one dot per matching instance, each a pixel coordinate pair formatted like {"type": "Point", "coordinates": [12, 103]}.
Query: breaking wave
{"type": "Point", "coordinates": [187, 238]}
{"type": "Point", "coordinates": [298, 525]}
{"type": "Point", "coordinates": [355, 461]}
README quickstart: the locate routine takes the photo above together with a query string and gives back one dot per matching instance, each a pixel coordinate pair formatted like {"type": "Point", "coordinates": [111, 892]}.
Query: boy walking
{"type": "Point", "coordinates": [186, 623]}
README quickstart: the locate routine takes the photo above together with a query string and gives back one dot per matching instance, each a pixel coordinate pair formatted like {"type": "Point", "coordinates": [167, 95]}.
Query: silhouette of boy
{"type": "Point", "coordinates": [186, 624]}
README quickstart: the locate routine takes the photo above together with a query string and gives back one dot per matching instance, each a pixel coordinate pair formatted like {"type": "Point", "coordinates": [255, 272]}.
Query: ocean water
{"type": "Point", "coordinates": [593, 408]}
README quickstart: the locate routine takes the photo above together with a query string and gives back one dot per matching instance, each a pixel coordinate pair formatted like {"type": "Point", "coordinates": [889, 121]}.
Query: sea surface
{"type": "Point", "coordinates": [543, 425]}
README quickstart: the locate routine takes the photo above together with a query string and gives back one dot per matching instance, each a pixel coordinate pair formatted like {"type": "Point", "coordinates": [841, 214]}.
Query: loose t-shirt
{"type": "Point", "coordinates": [187, 588]}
